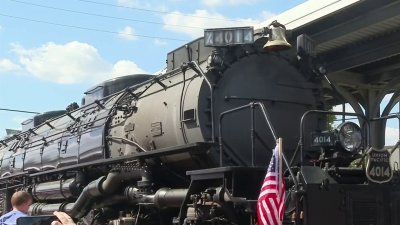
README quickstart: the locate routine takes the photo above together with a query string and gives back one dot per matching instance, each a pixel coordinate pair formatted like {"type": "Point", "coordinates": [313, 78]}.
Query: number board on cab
{"type": "Point", "coordinates": [228, 36]}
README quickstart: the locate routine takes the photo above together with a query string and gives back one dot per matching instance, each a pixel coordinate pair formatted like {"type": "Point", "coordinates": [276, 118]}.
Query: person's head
{"type": "Point", "coordinates": [21, 200]}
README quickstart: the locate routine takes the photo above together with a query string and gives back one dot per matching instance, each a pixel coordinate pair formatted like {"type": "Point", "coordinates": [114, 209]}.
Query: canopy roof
{"type": "Point", "coordinates": [359, 42]}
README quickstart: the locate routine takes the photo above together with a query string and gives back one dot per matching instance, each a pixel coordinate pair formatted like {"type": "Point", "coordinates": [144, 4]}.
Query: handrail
{"type": "Point", "coordinates": [271, 128]}
{"type": "Point", "coordinates": [195, 67]}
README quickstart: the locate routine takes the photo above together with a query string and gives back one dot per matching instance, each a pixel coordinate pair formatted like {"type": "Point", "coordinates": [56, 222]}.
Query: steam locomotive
{"type": "Point", "coordinates": [191, 145]}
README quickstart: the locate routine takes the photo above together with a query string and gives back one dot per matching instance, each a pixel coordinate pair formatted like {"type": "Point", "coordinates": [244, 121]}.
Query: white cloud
{"type": "Point", "coordinates": [192, 24]}
{"type": "Point", "coordinates": [265, 15]}
{"type": "Point", "coordinates": [144, 4]}
{"type": "Point", "coordinates": [213, 3]}
{"type": "Point", "coordinates": [7, 65]}
{"type": "Point", "coordinates": [125, 67]}
{"type": "Point", "coordinates": [73, 62]}
{"type": "Point", "coordinates": [129, 3]}
{"type": "Point", "coordinates": [159, 42]}
{"type": "Point", "coordinates": [348, 108]}
{"type": "Point", "coordinates": [19, 119]}
{"type": "Point", "coordinates": [127, 33]}
{"type": "Point", "coordinates": [16, 122]}
{"type": "Point", "coordinates": [391, 136]}
{"type": "Point", "coordinates": [1, 28]}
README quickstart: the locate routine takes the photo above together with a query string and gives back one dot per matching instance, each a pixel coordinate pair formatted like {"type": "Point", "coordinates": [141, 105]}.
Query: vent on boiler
{"type": "Point", "coordinates": [156, 129]}
{"type": "Point", "coordinates": [189, 115]}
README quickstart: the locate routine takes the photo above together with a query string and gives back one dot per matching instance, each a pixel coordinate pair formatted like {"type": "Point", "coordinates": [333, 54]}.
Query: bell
{"type": "Point", "coordinates": [277, 40]}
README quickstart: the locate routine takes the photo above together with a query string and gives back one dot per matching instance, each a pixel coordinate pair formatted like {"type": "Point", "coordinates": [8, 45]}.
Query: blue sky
{"type": "Point", "coordinates": [52, 51]}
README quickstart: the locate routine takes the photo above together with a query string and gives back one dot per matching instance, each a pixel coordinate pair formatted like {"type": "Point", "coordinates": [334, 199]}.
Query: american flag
{"type": "Point", "coordinates": [270, 204]}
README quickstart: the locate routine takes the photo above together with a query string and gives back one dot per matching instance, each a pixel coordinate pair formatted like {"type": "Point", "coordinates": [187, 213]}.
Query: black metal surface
{"type": "Point", "coordinates": [194, 148]}
{"type": "Point", "coordinates": [194, 50]}
{"type": "Point", "coordinates": [351, 205]}
{"type": "Point", "coordinates": [315, 175]}
{"type": "Point", "coordinates": [289, 95]}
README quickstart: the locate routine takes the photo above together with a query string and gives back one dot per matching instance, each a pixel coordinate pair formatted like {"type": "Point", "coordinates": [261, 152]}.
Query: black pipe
{"type": "Point", "coordinates": [87, 197]}
{"type": "Point", "coordinates": [60, 189]}
{"type": "Point", "coordinates": [101, 187]}
{"type": "Point", "coordinates": [44, 209]}
{"type": "Point", "coordinates": [163, 198]}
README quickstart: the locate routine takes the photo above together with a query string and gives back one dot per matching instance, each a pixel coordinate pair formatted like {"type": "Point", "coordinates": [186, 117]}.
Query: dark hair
{"type": "Point", "coordinates": [19, 198]}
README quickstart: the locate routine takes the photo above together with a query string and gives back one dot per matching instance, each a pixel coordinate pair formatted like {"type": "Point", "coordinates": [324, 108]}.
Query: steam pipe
{"type": "Point", "coordinates": [166, 197]}
{"type": "Point", "coordinates": [163, 198]}
{"type": "Point", "coordinates": [100, 187]}
{"type": "Point", "coordinates": [173, 198]}
{"type": "Point", "coordinates": [87, 197]}
{"type": "Point", "coordinates": [60, 189]}
{"type": "Point", "coordinates": [47, 209]}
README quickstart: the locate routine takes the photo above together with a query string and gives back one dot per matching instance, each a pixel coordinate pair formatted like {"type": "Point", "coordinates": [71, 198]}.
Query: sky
{"type": "Point", "coordinates": [51, 51]}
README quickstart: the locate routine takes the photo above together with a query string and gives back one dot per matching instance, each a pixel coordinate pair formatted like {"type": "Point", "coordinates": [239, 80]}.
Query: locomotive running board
{"type": "Point", "coordinates": [222, 172]}
{"type": "Point", "coordinates": [193, 148]}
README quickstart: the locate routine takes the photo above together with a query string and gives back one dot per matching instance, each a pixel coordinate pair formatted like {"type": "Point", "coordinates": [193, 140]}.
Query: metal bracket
{"type": "Point", "coordinates": [160, 83]}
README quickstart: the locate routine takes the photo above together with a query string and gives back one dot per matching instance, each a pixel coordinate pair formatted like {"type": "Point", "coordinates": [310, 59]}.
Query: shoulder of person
{"type": "Point", "coordinates": [17, 212]}
{"type": "Point", "coordinates": [12, 213]}
{"type": "Point", "coordinates": [7, 214]}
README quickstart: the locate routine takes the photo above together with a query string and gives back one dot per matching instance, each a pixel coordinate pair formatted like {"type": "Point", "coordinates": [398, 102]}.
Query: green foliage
{"type": "Point", "coordinates": [330, 119]}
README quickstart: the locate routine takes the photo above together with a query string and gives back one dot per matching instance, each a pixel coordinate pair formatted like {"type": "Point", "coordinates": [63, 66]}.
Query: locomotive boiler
{"type": "Point", "coordinates": [190, 145]}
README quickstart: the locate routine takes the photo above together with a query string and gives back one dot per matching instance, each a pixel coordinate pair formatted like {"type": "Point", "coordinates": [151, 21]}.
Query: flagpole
{"type": "Point", "coordinates": [280, 147]}
{"type": "Point", "coordinates": [279, 141]}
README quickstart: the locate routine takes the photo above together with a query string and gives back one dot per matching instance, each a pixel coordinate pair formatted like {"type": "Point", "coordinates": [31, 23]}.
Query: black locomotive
{"type": "Point", "coordinates": [191, 145]}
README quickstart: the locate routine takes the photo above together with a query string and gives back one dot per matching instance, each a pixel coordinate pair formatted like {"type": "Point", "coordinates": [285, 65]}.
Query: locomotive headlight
{"type": "Point", "coordinates": [350, 137]}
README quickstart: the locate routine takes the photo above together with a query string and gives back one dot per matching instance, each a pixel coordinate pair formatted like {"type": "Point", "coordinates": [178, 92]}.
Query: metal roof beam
{"type": "Point", "coordinates": [356, 55]}
{"type": "Point", "coordinates": [360, 22]}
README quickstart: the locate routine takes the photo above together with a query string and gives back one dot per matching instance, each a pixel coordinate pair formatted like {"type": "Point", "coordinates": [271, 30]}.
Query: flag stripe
{"type": "Point", "coordinates": [261, 215]}
{"type": "Point", "coordinates": [270, 205]}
